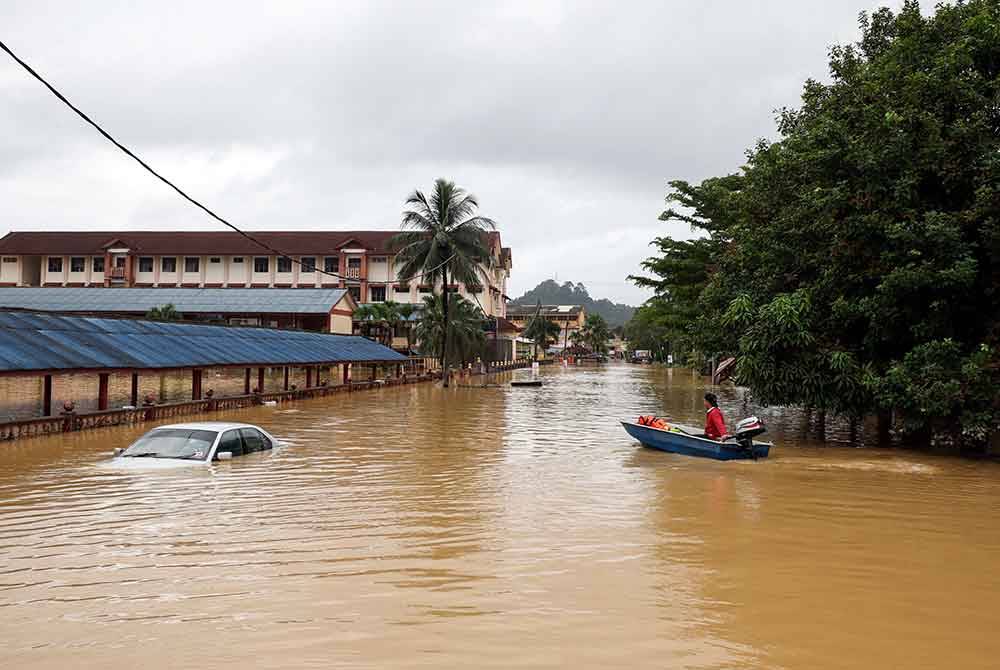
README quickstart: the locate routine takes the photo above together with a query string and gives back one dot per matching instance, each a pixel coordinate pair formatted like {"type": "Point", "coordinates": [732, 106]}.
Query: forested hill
{"type": "Point", "coordinates": [551, 293]}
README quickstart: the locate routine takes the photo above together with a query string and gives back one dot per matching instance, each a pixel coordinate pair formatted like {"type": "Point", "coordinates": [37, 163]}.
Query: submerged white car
{"type": "Point", "coordinates": [199, 442]}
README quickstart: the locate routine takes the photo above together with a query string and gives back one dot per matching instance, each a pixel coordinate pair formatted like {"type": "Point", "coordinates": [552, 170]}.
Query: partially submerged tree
{"type": "Point", "coordinates": [466, 325]}
{"type": "Point", "coordinates": [444, 240]}
{"type": "Point", "coordinates": [541, 332]}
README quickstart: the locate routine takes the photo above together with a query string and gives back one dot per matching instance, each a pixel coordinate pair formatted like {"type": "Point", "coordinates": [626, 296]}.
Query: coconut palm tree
{"type": "Point", "coordinates": [367, 316]}
{"type": "Point", "coordinates": [595, 333]}
{"type": "Point", "coordinates": [540, 330]}
{"type": "Point", "coordinates": [467, 335]}
{"type": "Point", "coordinates": [404, 312]}
{"type": "Point", "coordinates": [164, 313]}
{"type": "Point", "coordinates": [444, 238]}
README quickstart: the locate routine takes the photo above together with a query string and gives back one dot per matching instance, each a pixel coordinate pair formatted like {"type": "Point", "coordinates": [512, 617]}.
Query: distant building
{"type": "Point", "coordinates": [569, 318]}
{"type": "Point", "coordinates": [364, 264]}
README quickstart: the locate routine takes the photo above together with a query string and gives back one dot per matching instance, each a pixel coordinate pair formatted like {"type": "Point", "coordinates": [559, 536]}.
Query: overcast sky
{"type": "Point", "coordinates": [566, 119]}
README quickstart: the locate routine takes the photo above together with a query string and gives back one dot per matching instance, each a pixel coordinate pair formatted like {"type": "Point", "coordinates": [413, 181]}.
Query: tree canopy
{"type": "Point", "coordinates": [851, 264]}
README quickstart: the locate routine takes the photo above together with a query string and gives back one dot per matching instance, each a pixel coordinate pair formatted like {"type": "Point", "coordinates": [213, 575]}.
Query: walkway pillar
{"type": "Point", "coordinates": [135, 390]}
{"type": "Point", "coordinates": [102, 391]}
{"type": "Point", "coordinates": [47, 396]}
{"type": "Point", "coordinates": [196, 385]}
{"type": "Point", "coordinates": [371, 372]}
{"type": "Point", "coordinates": [347, 373]}
{"type": "Point", "coordinates": [309, 376]}
{"type": "Point", "coordinates": [286, 377]}
{"type": "Point", "coordinates": [260, 380]}
{"type": "Point", "coordinates": [246, 382]}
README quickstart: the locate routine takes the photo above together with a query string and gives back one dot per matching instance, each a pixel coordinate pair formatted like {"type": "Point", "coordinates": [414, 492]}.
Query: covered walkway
{"type": "Point", "coordinates": [90, 361]}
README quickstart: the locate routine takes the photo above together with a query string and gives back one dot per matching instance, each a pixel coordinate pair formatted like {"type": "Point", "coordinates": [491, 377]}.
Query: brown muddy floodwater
{"type": "Point", "coordinates": [499, 528]}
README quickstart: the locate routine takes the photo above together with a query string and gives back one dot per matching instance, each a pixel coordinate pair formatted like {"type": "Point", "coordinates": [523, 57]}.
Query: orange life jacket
{"type": "Point", "coordinates": [653, 422]}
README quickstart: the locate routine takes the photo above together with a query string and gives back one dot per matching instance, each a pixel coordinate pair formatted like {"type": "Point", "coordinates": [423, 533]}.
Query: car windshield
{"type": "Point", "coordinates": [173, 443]}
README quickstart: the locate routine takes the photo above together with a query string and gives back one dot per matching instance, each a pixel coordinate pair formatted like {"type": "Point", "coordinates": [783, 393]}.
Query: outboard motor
{"type": "Point", "coordinates": [746, 430]}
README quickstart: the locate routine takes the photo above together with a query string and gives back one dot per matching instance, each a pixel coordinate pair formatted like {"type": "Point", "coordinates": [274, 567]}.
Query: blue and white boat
{"type": "Point", "coordinates": [692, 442]}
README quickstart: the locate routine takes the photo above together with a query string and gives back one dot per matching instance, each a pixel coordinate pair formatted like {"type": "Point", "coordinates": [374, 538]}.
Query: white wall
{"type": "Point", "coordinates": [238, 272]}
{"type": "Point", "coordinates": [10, 269]}
{"type": "Point", "coordinates": [190, 277]}
{"type": "Point", "coordinates": [168, 278]}
{"type": "Point", "coordinates": [215, 273]}
{"type": "Point", "coordinates": [260, 277]}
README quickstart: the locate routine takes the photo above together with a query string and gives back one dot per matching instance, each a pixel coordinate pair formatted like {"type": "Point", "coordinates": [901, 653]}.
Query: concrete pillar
{"type": "Point", "coordinates": [135, 390]}
{"type": "Point", "coordinates": [102, 391]}
{"type": "Point", "coordinates": [246, 382]}
{"type": "Point", "coordinates": [286, 377]}
{"type": "Point", "coordinates": [347, 373]}
{"type": "Point", "coordinates": [309, 376]}
{"type": "Point", "coordinates": [196, 385]}
{"type": "Point", "coordinates": [47, 396]}
{"type": "Point", "coordinates": [260, 379]}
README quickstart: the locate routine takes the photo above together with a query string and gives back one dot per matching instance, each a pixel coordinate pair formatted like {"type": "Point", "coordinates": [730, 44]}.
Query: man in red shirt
{"type": "Point", "coordinates": [715, 424]}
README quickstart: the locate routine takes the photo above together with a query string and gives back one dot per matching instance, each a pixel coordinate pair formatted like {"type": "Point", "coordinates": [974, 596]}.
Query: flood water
{"type": "Point", "coordinates": [416, 527]}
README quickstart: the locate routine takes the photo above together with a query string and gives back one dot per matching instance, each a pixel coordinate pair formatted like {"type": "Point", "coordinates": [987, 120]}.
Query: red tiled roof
{"type": "Point", "coordinates": [299, 242]}
{"type": "Point", "coordinates": [179, 242]}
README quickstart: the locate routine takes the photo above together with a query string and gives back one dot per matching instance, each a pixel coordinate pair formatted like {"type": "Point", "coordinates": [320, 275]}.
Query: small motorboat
{"type": "Point", "coordinates": [526, 382]}
{"type": "Point", "coordinates": [692, 442]}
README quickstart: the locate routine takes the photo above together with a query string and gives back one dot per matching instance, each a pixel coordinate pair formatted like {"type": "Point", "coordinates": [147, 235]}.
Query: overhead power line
{"type": "Point", "coordinates": [178, 189]}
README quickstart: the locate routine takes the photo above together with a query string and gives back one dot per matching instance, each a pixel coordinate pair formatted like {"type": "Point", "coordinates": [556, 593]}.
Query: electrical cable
{"type": "Point", "coordinates": [180, 191]}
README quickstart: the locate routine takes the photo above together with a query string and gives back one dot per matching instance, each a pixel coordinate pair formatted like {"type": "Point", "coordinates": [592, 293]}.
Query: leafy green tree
{"type": "Point", "coordinates": [852, 264]}
{"type": "Point", "coordinates": [466, 324]}
{"type": "Point", "coordinates": [164, 313]}
{"type": "Point", "coordinates": [444, 238]}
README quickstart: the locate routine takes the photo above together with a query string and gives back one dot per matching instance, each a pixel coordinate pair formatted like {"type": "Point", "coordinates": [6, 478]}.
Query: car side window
{"type": "Point", "coordinates": [232, 442]}
{"type": "Point", "coordinates": [253, 440]}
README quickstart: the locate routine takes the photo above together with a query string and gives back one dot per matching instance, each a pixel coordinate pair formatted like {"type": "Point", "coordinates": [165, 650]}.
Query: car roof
{"type": "Point", "coordinates": [209, 425]}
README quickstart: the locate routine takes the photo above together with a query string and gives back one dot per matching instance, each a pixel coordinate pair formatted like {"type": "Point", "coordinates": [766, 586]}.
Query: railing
{"type": "Point", "coordinates": [353, 273]}
{"type": "Point", "coordinates": [71, 421]}
{"type": "Point", "coordinates": [118, 273]}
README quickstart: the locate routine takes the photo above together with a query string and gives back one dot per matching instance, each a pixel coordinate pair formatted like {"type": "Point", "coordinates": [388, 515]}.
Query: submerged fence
{"type": "Point", "coordinates": [70, 420]}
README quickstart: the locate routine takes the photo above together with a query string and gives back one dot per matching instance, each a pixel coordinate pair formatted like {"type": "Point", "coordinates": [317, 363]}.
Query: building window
{"type": "Point", "coordinates": [98, 264]}
{"type": "Point", "coordinates": [168, 264]}
{"type": "Point", "coordinates": [378, 259]}
{"type": "Point", "coordinates": [284, 264]}
{"type": "Point", "coordinates": [261, 264]}
{"type": "Point", "coordinates": [214, 259]}
{"type": "Point", "coordinates": [145, 263]}
{"type": "Point", "coordinates": [191, 263]}
{"type": "Point", "coordinates": [10, 259]}
{"type": "Point", "coordinates": [355, 292]}
{"type": "Point", "coordinates": [353, 263]}
{"type": "Point", "coordinates": [237, 259]}
{"type": "Point", "coordinates": [377, 293]}
{"type": "Point", "coordinates": [331, 264]}
{"type": "Point", "coordinates": [308, 264]}
{"type": "Point", "coordinates": [55, 264]}
{"type": "Point", "coordinates": [402, 289]}
{"type": "Point", "coordinates": [426, 289]}
{"type": "Point", "coordinates": [77, 264]}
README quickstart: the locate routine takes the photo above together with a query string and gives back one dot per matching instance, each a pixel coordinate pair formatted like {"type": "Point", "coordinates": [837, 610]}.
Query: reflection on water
{"type": "Point", "coordinates": [417, 527]}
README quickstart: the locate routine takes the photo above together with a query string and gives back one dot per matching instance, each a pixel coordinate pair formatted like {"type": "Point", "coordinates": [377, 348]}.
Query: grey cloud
{"type": "Point", "coordinates": [566, 118]}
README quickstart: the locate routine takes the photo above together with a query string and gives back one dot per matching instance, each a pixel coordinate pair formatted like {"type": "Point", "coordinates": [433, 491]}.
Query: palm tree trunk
{"type": "Point", "coordinates": [444, 334]}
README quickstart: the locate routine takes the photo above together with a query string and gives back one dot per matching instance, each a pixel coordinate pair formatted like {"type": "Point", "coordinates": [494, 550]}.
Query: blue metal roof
{"type": "Point", "coordinates": [186, 300]}
{"type": "Point", "coordinates": [38, 341]}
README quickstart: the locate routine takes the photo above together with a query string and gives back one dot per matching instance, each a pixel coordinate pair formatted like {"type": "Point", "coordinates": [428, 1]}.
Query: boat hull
{"type": "Point", "coordinates": [691, 445]}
